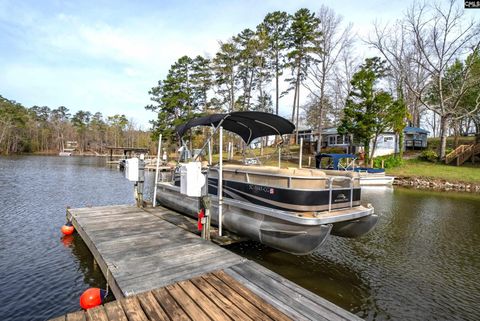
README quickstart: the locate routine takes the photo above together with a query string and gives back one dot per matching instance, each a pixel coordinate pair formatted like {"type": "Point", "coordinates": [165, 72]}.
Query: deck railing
{"type": "Point", "coordinates": [462, 153]}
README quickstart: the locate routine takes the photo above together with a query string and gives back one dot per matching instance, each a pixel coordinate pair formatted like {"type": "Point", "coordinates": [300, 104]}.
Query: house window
{"type": "Point", "coordinates": [331, 140]}
{"type": "Point", "coordinates": [387, 139]}
{"type": "Point", "coordinates": [339, 139]}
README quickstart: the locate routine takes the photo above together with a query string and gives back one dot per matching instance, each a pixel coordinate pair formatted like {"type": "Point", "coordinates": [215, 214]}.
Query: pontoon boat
{"type": "Point", "coordinates": [291, 209]}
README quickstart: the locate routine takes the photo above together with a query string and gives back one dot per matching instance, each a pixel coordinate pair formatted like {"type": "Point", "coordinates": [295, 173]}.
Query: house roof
{"type": "Point", "coordinates": [415, 130]}
{"type": "Point", "coordinates": [330, 131]}
{"type": "Point", "coordinates": [304, 129]}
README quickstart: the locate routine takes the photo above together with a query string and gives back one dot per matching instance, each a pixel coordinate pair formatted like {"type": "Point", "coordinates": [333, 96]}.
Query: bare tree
{"type": "Point", "coordinates": [395, 44]}
{"type": "Point", "coordinates": [442, 38]}
{"type": "Point", "coordinates": [342, 83]}
{"type": "Point", "coordinates": [322, 75]}
{"type": "Point", "coordinates": [420, 50]}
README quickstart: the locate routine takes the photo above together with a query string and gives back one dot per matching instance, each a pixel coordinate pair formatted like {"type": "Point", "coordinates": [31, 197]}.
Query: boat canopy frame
{"type": "Point", "coordinates": [249, 125]}
{"type": "Point", "coordinates": [336, 160]}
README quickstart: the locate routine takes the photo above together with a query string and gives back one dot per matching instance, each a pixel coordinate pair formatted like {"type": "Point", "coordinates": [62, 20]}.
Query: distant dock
{"type": "Point", "coordinates": [158, 270]}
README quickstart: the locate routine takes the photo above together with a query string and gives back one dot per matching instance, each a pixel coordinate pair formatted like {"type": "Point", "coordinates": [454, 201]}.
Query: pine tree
{"type": "Point", "coordinates": [302, 38]}
{"type": "Point", "coordinates": [173, 97]}
{"type": "Point", "coordinates": [369, 111]}
{"type": "Point", "coordinates": [201, 83]}
{"type": "Point", "coordinates": [225, 67]}
{"type": "Point", "coordinates": [274, 29]}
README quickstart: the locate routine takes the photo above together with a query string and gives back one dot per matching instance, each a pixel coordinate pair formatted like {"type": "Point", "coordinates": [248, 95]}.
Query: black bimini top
{"type": "Point", "coordinates": [247, 124]}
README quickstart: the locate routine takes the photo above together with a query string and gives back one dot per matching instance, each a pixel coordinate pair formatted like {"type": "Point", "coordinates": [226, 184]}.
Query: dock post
{"type": "Point", "coordinates": [279, 156]}
{"type": "Point", "coordinates": [156, 171]}
{"type": "Point", "coordinates": [206, 202]}
{"type": "Point", "coordinates": [139, 184]}
{"type": "Point", "coordinates": [301, 153]}
{"type": "Point", "coordinates": [220, 184]}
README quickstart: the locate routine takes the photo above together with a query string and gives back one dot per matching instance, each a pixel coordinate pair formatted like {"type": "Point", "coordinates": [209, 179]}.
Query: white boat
{"type": "Point", "coordinates": [368, 176]}
{"type": "Point", "coordinates": [368, 179]}
{"type": "Point", "coordinates": [65, 153]}
{"type": "Point", "coordinates": [290, 209]}
{"type": "Point", "coordinates": [68, 151]}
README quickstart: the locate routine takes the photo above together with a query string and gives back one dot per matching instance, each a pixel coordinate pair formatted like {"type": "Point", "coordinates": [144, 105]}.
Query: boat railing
{"type": "Point", "coordinates": [289, 177]}
{"type": "Point", "coordinates": [329, 179]}
{"type": "Point", "coordinates": [333, 183]}
{"type": "Point", "coordinates": [331, 189]}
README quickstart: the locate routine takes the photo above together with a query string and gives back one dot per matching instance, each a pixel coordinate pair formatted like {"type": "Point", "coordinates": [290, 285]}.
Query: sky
{"type": "Point", "coordinates": [106, 55]}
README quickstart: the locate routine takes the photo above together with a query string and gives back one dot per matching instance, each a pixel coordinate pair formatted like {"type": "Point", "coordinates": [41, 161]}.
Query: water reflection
{"type": "Point", "coordinates": [43, 274]}
{"type": "Point", "coordinates": [91, 272]}
{"type": "Point", "coordinates": [420, 263]}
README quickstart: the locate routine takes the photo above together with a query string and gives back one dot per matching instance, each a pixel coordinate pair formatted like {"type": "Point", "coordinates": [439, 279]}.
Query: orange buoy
{"type": "Point", "coordinates": [67, 229]}
{"type": "Point", "coordinates": [91, 298]}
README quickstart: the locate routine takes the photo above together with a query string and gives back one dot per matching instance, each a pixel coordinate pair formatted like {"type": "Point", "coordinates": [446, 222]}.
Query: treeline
{"type": "Point", "coordinates": [45, 130]}
{"type": "Point", "coordinates": [429, 60]}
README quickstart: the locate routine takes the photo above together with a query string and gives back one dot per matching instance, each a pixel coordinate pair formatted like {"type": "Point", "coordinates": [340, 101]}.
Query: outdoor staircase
{"type": "Point", "coordinates": [463, 153]}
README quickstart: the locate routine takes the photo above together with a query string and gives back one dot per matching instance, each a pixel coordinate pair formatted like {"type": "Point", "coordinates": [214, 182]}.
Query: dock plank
{"type": "Point", "coordinates": [76, 316]}
{"type": "Point", "coordinates": [248, 308]}
{"type": "Point", "coordinates": [279, 292]}
{"type": "Point", "coordinates": [151, 307]}
{"type": "Point", "coordinates": [159, 279]}
{"type": "Point", "coordinates": [97, 314]}
{"type": "Point", "coordinates": [314, 299]}
{"type": "Point", "coordinates": [209, 307]}
{"type": "Point", "coordinates": [114, 311]}
{"type": "Point", "coordinates": [285, 296]}
{"type": "Point", "coordinates": [171, 307]}
{"type": "Point", "coordinates": [133, 310]}
{"type": "Point", "coordinates": [187, 304]}
{"type": "Point", "coordinates": [282, 304]}
{"type": "Point", "coordinates": [220, 300]}
{"type": "Point", "coordinates": [254, 299]}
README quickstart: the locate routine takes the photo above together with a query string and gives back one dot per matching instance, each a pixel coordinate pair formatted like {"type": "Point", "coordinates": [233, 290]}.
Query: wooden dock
{"type": "Point", "coordinates": [160, 271]}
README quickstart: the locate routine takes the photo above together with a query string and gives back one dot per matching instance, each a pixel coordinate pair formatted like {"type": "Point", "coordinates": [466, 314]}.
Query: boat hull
{"type": "Point", "coordinates": [369, 180]}
{"type": "Point", "coordinates": [355, 228]}
{"type": "Point", "coordinates": [287, 231]}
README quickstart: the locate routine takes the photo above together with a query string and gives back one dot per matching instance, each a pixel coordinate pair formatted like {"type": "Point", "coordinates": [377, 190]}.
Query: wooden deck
{"type": "Point", "coordinates": [214, 296]}
{"type": "Point", "coordinates": [159, 271]}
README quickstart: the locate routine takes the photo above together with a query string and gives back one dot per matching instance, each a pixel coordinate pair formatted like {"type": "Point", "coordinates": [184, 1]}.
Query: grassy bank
{"type": "Point", "coordinates": [415, 168]}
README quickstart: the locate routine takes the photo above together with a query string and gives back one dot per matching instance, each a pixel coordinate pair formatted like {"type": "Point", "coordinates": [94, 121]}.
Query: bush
{"type": "Point", "coordinates": [389, 161]}
{"type": "Point", "coordinates": [334, 150]}
{"type": "Point", "coordinates": [429, 155]}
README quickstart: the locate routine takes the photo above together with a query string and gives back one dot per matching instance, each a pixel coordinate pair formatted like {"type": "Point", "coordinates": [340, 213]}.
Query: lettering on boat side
{"type": "Point", "coordinates": [258, 188]}
{"type": "Point", "coordinates": [341, 198]}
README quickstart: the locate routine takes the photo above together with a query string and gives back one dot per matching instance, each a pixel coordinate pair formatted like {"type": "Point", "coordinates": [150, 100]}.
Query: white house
{"type": "Point", "coordinates": [387, 142]}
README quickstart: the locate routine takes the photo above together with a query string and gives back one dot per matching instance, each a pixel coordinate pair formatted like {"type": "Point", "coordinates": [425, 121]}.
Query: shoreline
{"type": "Point", "coordinates": [436, 184]}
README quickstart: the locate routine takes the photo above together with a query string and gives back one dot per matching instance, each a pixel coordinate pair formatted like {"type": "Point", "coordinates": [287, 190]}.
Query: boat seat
{"type": "Point", "coordinates": [266, 175]}
{"type": "Point", "coordinates": [338, 183]}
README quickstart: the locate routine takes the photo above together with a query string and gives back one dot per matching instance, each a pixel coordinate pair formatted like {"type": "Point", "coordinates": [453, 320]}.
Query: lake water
{"type": "Point", "coordinates": [420, 263]}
